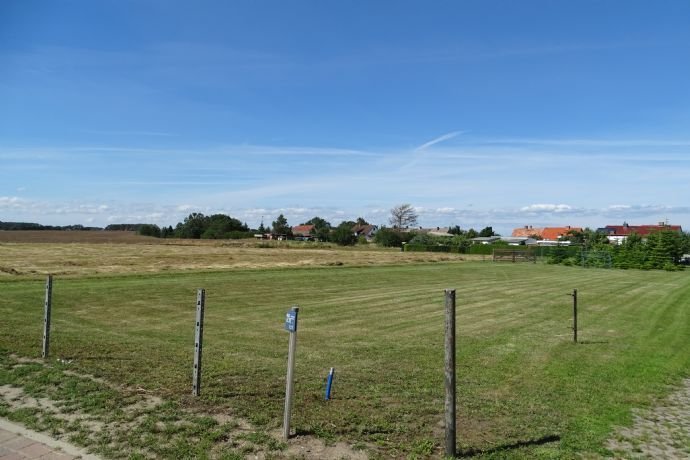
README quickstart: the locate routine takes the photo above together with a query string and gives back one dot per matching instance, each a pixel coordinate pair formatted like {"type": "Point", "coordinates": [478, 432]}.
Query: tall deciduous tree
{"type": "Point", "coordinates": [220, 226]}
{"type": "Point", "coordinates": [403, 216]}
{"type": "Point", "coordinates": [487, 231]}
{"type": "Point", "coordinates": [322, 228]}
{"type": "Point", "coordinates": [343, 235]}
{"type": "Point", "coordinates": [193, 226]}
{"type": "Point", "coordinates": [280, 226]}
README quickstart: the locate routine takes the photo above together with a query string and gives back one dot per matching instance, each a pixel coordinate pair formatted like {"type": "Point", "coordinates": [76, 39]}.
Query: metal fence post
{"type": "Point", "coordinates": [450, 373]}
{"type": "Point", "coordinates": [290, 326]}
{"type": "Point", "coordinates": [46, 316]}
{"type": "Point", "coordinates": [198, 341]}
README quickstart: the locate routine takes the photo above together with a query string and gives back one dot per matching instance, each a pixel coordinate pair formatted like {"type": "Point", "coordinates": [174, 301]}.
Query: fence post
{"type": "Point", "coordinates": [198, 341]}
{"type": "Point", "coordinates": [290, 326]}
{"type": "Point", "coordinates": [450, 373]}
{"type": "Point", "coordinates": [574, 315]}
{"type": "Point", "coordinates": [329, 383]}
{"type": "Point", "coordinates": [46, 316]}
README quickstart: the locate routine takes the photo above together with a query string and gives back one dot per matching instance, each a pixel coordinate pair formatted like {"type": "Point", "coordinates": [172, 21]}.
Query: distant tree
{"type": "Point", "coordinates": [685, 242]}
{"type": "Point", "coordinates": [403, 216]}
{"type": "Point", "coordinates": [261, 228]}
{"type": "Point", "coordinates": [348, 223]}
{"type": "Point", "coordinates": [317, 222]}
{"type": "Point", "coordinates": [193, 226]}
{"type": "Point", "coordinates": [389, 238]}
{"type": "Point", "coordinates": [587, 237]}
{"type": "Point", "coordinates": [150, 230]}
{"type": "Point", "coordinates": [280, 226]}
{"type": "Point", "coordinates": [167, 232]}
{"type": "Point", "coordinates": [664, 248]}
{"type": "Point", "coordinates": [361, 221]}
{"type": "Point", "coordinates": [471, 233]}
{"type": "Point", "coordinates": [322, 228]}
{"type": "Point", "coordinates": [456, 230]}
{"type": "Point", "coordinates": [221, 226]}
{"type": "Point", "coordinates": [343, 235]}
{"type": "Point", "coordinates": [486, 231]}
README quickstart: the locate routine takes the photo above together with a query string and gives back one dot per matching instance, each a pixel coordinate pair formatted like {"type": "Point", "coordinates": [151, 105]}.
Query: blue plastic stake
{"type": "Point", "coordinates": [329, 383]}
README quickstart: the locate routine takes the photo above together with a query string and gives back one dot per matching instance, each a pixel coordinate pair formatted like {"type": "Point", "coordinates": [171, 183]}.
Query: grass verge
{"type": "Point", "coordinates": [525, 391]}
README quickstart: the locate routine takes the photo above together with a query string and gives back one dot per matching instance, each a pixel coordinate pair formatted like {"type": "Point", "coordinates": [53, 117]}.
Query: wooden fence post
{"type": "Point", "coordinates": [198, 341]}
{"type": "Point", "coordinates": [450, 373]}
{"type": "Point", "coordinates": [46, 316]}
{"type": "Point", "coordinates": [574, 315]}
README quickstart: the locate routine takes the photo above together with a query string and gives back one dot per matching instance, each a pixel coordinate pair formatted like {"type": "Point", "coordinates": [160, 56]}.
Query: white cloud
{"type": "Point", "coordinates": [538, 208]}
{"type": "Point", "coordinates": [439, 139]}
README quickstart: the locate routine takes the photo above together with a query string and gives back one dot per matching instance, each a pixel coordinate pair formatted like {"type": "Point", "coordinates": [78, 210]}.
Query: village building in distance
{"type": "Point", "coordinates": [616, 234]}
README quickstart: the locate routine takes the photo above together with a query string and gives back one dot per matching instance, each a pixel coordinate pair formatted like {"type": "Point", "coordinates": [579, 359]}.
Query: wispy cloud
{"type": "Point", "coordinates": [588, 142]}
{"type": "Point", "coordinates": [438, 140]}
{"type": "Point", "coordinates": [130, 133]}
{"type": "Point", "coordinates": [540, 208]}
{"type": "Point", "coordinates": [509, 181]}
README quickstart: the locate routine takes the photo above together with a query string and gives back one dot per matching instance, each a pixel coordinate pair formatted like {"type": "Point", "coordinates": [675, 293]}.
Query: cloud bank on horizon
{"type": "Point", "coordinates": [537, 116]}
{"type": "Point", "coordinates": [520, 184]}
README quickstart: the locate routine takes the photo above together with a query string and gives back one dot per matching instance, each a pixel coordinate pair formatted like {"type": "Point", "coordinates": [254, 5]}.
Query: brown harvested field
{"type": "Point", "coordinates": [58, 236]}
{"type": "Point", "coordinates": [150, 255]}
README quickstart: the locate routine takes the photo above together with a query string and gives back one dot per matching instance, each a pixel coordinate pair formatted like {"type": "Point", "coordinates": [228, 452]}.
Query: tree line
{"type": "Point", "coordinates": [220, 226]}
{"type": "Point", "coordinates": [34, 226]}
{"type": "Point", "coordinates": [663, 249]}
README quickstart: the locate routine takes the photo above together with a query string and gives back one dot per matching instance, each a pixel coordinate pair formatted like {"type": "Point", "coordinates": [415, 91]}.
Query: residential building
{"type": "Point", "coordinates": [303, 232]}
{"type": "Point", "coordinates": [545, 235]}
{"type": "Point", "coordinates": [367, 230]}
{"type": "Point", "coordinates": [618, 233]}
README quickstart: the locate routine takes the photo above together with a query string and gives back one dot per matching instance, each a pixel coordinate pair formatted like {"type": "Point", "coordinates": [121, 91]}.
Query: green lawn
{"type": "Point", "coordinates": [524, 389]}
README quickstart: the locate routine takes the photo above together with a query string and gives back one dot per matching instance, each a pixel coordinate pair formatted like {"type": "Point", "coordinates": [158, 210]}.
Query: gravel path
{"type": "Point", "coordinates": [662, 432]}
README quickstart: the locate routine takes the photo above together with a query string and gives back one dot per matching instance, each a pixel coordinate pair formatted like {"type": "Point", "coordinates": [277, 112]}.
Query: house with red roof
{"type": "Point", "coordinates": [545, 235]}
{"type": "Point", "coordinates": [303, 232]}
{"type": "Point", "coordinates": [618, 233]}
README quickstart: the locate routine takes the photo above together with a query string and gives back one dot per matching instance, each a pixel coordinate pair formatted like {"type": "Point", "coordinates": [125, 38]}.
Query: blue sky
{"type": "Point", "coordinates": [478, 113]}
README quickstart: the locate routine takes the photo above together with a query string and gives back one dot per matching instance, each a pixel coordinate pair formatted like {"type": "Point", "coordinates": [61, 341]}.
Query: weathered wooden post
{"type": "Point", "coordinates": [574, 294]}
{"type": "Point", "coordinates": [291, 327]}
{"type": "Point", "coordinates": [450, 372]}
{"type": "Point", "coordinates": [198, 341]}
{"type": "Point", "coordinates": [46, 316]}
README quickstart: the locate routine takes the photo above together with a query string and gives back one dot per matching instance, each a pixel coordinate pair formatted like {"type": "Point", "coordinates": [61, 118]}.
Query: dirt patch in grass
{"type": "Point", "coordinates": [118, 422]}
{"type": "Point", "coordinates": [662, 431]}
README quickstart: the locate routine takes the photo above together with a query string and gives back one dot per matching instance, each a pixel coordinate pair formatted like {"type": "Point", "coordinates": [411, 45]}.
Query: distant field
{"type": "Point", "coordinates": [57, 236]}
{"type": "Point", "coordinates": [525, 390]}
{"type": "Point", "coordinates": [152, 255]}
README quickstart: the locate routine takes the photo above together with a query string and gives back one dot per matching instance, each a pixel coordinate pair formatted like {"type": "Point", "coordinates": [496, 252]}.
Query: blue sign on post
{"type": "Point", "coordinates": [291, 321]}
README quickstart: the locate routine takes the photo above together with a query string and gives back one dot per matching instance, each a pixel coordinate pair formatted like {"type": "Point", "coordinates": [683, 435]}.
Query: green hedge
{"type": "Point", "coordinates": [559, 252]}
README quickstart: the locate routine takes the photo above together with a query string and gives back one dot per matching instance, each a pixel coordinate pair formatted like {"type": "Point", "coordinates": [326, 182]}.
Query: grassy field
{"type": "Point", "coordinates": [116, 254]}
{"type": "Point", "coordinates": [524, 390]}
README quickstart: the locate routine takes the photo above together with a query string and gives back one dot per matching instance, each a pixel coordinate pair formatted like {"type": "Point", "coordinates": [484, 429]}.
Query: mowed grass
{"type": "Point", "coordinates": [524, 389]}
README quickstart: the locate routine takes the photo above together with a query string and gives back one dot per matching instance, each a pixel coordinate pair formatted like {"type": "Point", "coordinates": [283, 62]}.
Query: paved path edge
{"type": "Point", "coordinates": [47, 440]}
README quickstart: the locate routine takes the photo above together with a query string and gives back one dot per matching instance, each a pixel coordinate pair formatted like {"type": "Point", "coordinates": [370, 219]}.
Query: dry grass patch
{"type": "Point", "coordinates": [151, 256]}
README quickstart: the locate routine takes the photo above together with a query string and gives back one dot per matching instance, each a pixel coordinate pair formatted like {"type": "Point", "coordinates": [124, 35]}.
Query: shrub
{"type": "Point", "coordinates": [150, 230]}
{"type": "Point", "coordinates": [343, 236]}
{"type": "Point", "coordinates": [388, 238]}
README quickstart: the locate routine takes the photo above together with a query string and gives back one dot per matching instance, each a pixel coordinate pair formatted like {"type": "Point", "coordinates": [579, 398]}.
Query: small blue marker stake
{"type": "Point", "coordinates": [329, 383]}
